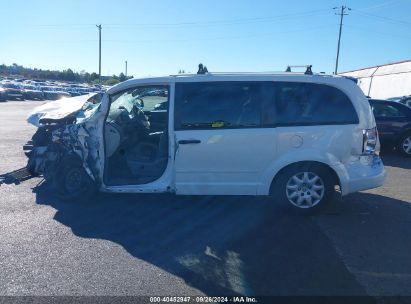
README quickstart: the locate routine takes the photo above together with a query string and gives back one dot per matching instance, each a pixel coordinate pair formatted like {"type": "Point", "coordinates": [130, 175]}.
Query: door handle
{"type": "Point", "coordinates": [189, 141]}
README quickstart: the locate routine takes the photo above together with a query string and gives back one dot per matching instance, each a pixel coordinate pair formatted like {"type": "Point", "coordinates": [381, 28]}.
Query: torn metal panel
{"type": "Point", "coordinates": [58, 136]}
{"type": "Point", "coordinates": [75, 140]}
{"type": "Point", "coordinates": [15, 177]}
{"type": "Point", "coordinates": [56, 110]}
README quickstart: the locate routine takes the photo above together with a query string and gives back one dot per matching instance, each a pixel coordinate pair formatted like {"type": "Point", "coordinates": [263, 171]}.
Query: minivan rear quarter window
{"type": "Point", "coordinates": [299, 104]}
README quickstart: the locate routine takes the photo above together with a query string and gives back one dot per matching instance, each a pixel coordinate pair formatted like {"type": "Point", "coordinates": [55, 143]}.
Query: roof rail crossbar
{"type": "Point", "coordinates": [202, 69]}
{"type": "Point", "coordinates": [308, 68]}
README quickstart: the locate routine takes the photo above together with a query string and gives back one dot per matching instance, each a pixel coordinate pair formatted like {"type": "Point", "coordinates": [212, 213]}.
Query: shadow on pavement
{"type": "Point", "coordinates": [373, 233]}
{"type": "Point", "coordinates": [392, 159]}
{"type": "Point", "coordinates": [219, 245]}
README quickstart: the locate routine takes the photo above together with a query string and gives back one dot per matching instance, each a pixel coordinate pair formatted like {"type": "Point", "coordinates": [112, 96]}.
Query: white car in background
{"type": "Point", "coordinates": [32, 92]}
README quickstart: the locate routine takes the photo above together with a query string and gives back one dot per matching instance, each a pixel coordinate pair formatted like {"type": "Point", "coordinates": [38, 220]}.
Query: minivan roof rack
{"type": "Point", "coordinates": [245, 73]}
{"type": "Point", "coordinates": [202, 69]}
{"type": "Point", "coordinates": [308, 68]}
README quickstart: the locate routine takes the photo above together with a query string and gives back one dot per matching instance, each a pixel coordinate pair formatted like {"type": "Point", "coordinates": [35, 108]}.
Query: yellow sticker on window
{"type": "Point", "coordinates": [217, 124]}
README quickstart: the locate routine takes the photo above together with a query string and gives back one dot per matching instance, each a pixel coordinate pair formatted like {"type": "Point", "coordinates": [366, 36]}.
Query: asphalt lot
{"type": "Point", "coordinates": [169, 245]}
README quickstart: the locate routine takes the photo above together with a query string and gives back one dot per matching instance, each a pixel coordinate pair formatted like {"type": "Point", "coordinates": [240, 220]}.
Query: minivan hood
{"type": "Point", "coordinates": [56, 110]}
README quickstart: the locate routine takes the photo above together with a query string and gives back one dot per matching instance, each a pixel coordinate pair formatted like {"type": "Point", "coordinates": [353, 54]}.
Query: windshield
{"type": "Point", "coordinates": [91, 107]}
{"type": "Point", "coordinates": [126, 101]}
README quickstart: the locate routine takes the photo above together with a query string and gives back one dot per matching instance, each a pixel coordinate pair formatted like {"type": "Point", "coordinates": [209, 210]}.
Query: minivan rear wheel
{"type": "Point", "coordinates": [306, 187]}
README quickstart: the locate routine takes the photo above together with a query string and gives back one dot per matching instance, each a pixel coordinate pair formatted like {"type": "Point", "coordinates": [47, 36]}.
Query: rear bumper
{"type": "Point", "coordinates": [365, 173]}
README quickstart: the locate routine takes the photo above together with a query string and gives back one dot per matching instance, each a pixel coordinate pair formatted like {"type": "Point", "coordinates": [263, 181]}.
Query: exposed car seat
{"type": "Point", "coordinates": [148, 159]}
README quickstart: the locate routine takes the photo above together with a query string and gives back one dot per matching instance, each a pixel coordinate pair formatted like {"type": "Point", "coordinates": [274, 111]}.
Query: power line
{"type": "Point", "coordinates": [371, 30]}
{"type": "Point", "coordinates": [307, 29]}
{"type": "Point", "coordinates": [401, 22]}
{"type": "Point", "coordinates": [220, 22]}
{"type": "Point", "coordinates": [221, 37]}
{"type": "Point", "coordinates": [379, 5]}
{"type": "Point", "coordinates": [341, 14]}
{"type": "Point", "coordinates": [60, 25]}
{"type": "Point", "coordinates": [195, 23]}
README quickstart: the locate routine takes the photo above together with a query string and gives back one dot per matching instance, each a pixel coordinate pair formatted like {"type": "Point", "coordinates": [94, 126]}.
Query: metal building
{"type": "Point", "coordinates": [384, 81]}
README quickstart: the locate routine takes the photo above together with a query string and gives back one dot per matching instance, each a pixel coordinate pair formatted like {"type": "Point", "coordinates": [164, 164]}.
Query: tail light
{"type": "Point", "coordinates": [370, 140]}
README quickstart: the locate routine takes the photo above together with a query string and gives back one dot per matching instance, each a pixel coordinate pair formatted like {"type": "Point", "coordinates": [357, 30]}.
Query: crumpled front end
{"type": "Point", "coordinates": [60, 137]}
{"type": "Point", "coordinates": [57, 111]}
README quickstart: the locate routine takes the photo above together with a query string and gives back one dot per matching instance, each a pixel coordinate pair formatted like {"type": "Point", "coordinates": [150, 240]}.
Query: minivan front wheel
{"type": "Point", "coordinates": [73, 183]}
{"type": "Point", "coordinates": [306, 188]}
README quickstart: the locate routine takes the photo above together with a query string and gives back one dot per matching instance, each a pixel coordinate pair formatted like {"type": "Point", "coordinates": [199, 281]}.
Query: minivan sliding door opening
{"type": "Point", "coordinates": [136, 136]}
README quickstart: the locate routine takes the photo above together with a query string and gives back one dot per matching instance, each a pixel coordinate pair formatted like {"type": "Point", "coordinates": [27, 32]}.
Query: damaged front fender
{"type": "Point", "coordinates": [80, 140]}
{"type": "Point", "coordinates": [54, 141]}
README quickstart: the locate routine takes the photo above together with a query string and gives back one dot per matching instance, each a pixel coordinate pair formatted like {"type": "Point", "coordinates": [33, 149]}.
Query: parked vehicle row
{"type": "Point", "coordinates": [47, 90]}
{"type": "Point", "coordinates": [11, 91]}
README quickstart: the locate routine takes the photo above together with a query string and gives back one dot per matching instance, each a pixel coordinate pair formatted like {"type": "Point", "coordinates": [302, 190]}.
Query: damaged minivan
{"type": "Point", "coordinates": [292, 136]}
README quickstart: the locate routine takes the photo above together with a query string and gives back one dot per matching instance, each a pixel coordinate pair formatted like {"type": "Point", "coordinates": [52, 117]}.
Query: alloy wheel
{"type": "Point", "coordinates": [406, 145]}
{"type": "Point", "coordinates": [305, 189]}
{"type": "Point", "coordinates": [74, 180]}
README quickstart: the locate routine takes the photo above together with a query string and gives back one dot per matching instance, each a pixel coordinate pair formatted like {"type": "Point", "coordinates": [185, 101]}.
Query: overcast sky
{"type": "Point", "coordinates": [160, 37]}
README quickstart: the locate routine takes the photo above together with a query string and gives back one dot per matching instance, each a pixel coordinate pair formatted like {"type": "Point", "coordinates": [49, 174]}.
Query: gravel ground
{"type": "Point", "coordinates": [169, 245]}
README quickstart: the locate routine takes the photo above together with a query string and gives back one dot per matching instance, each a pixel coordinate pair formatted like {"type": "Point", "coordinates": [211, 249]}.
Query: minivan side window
{"type": "Point", "coordinates": [218, 105]}
{"type": "Point", "coordinates": [298, 104]}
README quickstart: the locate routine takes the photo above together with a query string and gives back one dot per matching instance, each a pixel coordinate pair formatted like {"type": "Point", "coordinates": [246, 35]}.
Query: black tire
{"type": "Point", "coordinates": [403, 143]}
{"type": "Point", "coordinates": [31, 165]}
{"type": "Point", "coordinates": [72, 182]}
{"type": "Point", "coordinates": [281, 192]}
{"type": "Point", "coordinates": [42, 137]}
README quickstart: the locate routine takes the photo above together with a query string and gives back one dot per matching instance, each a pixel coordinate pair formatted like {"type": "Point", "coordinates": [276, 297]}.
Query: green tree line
{"type": "Point", "coordinates": [65, 75]}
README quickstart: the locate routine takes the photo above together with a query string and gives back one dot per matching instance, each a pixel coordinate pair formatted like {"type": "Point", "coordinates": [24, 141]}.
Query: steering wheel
{"type": "Point", "coordinates": [139, 119]}
{"type": "Point", "coordinates": [135, 110]}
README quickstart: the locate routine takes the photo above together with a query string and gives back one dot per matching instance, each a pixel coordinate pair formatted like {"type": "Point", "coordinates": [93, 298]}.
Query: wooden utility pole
{"type": "Point", "coordinates": [99, 52]}
{"type": "Point", "coordinates": [342, 14]}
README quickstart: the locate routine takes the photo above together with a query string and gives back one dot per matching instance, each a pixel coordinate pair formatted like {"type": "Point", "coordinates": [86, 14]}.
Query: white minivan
{"type": "Point", "coordinates": [289, 135]}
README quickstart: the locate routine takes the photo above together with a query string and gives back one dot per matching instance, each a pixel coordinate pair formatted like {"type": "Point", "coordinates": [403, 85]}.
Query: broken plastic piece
{"type": "Point", "coordinates": [15, 177]}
